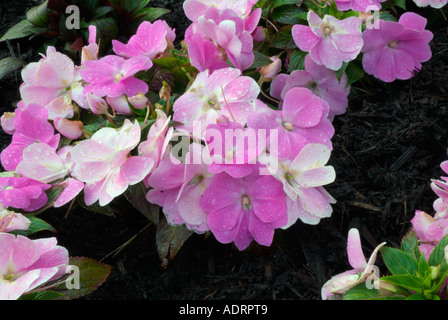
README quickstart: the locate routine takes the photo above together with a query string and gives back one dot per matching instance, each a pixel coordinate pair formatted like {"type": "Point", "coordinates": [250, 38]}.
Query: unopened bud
{"type": "Point", "coordinates": [139, 101]}
{"type": "Point", "coordinates": [435, 272]}
{"type": "Point", "coordinates": [96, 104]}
{"type": "Point", "coordinates": [259, 34]}
{"type": "Point", "coordinates": [7, 122]}
{"type": "Point", "coordinates": [271, 70]}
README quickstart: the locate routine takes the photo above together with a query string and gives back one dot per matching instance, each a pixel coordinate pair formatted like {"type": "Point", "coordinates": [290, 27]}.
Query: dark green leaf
{"type": "Point", "coordinates": [354, 73]}
{"type": "Point", "coordinates": [102, 11]}
{"type": "Point", "coordinates": [399, 262]}
{"type": "Point", "coordinates": [260, 60]}
{"type": "Point", "coordinates": [169, 240]}
{"type": "Point", "coordinates": [277, 3]}
{"type": "Point", "coordinates": [297, 61]}
{"type": "Point", "coordinates": [283, 39]}
{"type": "Point", "coordinates": [9, 64]}
{"type": "Point", "coordinates": [409, 244]}
{"type": "Point", "coordinates": [38, 16]}
{"type": "Point", "coordinates": [19, 30]}
{"type": "Point", "coordinates": [401, 4]}
{"type": "Point", "coordinates": [409, 282]}
{"type": "Point", "coordinates": [341, 70]}
{"type": "Point", "coordinates": [416, 296]}
{"type": "Point", "coordinates": [90, 274]}
{"type": "Point", "coordinates": [35, 226]}
{"type": "Point", "coordinates": [289, 14]}
{"type": "Point", "coordinates": [42, 295]}
{"type": "Point", "coordinates": [151, 14]}
{"type": "Point", "coordinates": [136, 195]}
{"type": "Point", "coordinates": [437, 256]}
{"type": "Point", "coordinates": [423, 267]}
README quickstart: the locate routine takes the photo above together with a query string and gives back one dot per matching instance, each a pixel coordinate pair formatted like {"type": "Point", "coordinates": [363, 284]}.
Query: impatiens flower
{"type": "Point", "coordinates": [302, 179]}
{"type": "Point", "coordinates": [49, 82]}
{"type": "Point", "coordinates": [302, 120]}
{"type": "Point", "coordinates": [329, 41]}
{"type": "Point", "coordinates": [10, 220]}
{"type": "Point", "coordinates": [23, 193]}
{"type": "Point", "coordinates": [177, 188]}
{"type": "Point", "coordinates": [362, 269]}
{"type": "Point", "coordinates": [429, 230]}
{"type": "Point", "coordinates": [321, 81]}
{"type": "Point", "coordinates": [26, 264]}
{"type": "Point", "coordinates": [31, 126]}
{"type": "Point", "coordinates": [90, 52]}
{"type": "Point", "coordinates": [104, 162]}
{"type": "Point", "coordinates": [114, 76]}
{"type": "Point", "coordinates": [205, 55]}
{"type": "Point", "coordinates": [196, 8]}
{"type": "Point", "coordinates": [432, 3]}
{"type": "Point", "coordinates": [225, 92]}
{"type": "Point", "coordinates": [150, 40]}
{"type": "Point", "coordinates": [396, 50]}
{"type": "Point", "coordinates": [358, 5]}
{"type": "Point", "coordinates": [245, 209]}
{"type": "Point", "coordinates": [440, 188]}
{"type": "Point", "coordinates": [157, 140]}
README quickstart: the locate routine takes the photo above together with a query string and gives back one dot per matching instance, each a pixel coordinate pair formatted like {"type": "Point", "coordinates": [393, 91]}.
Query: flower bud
{"type": "Point", "coordinates": [69, 128]}
{"type": "Point", "coordinates": [271, 70]}
{"type": "Point", "coordinates": [259, 34]}
{"type": "Point", "coordinates": [139, 101]}
{"type": "Point", "coordinates": [96, 104]}
{"type": "Point", "coordinates": [7, 122]}
{"type": "Point", "coordinates": [435, 271]}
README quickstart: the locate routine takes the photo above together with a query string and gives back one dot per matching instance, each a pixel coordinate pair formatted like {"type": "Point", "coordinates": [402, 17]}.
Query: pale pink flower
{"type": "Point", "coordinates": [432, 3]}
{"type": "Point", "coordinates": [23, 193]}
{"type": "Point", "coordinates": [245, 209]}
{"type": "Point", "coordinates": [31, 126]}
{"type": "Point", "coordinates": [329, 41]}
{"type": "Point", "coordinates": [139, 101]}
{"type": "Point", "coordinates": [303, 119]}
{"type": "Point", "coordinates": [104, 162]}
{"type": "Point", "coordinates": [49, 82]}
{"type": "Point", "coordinates": [157, 140]}
{"type": "Point", "coordinates": [196, 8]}
{"type": "Point", "coordinates": [396, 50]}
{"type": "Point", "coordinates": [90, 51]}
{"type": "Point", "coordinates": [26, 264]}
{"type": "Point", "coordinates": [114, 76]}
{"type": "Point", "coordinates": [322, 81]}
{"type": "Point", "coordinates": [71, 129]}
{"type": "Point", "coordinates": [440, 188]}
{"type": "Point", "coordinates": [362, 269]}
{"type": "Point", "coordinates": [225, 92]}
{"type": "Point", "coordinates": [302, 179]}
{"type": "Point", "coordinates": [10, 220]}
{"type": "Point", "coordinates": [177, 187]}
{"type": "Point", "coordinates": [150, 40]}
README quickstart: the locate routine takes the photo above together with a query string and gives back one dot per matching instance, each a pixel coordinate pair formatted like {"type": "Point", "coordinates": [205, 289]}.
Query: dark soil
{"type": "Point", "coordinates": [387, 147]}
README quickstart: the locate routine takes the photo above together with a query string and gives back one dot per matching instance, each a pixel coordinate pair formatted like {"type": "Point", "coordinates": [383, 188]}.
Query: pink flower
{"type": "Point", "coordinates": [196, 8]}
{"type": "Point", "coordinates": [362, 269]}
{"type": "Point", "coordinates": [396, 49]}
{"type": "Point", "coordinates": [302, 181]}
{"type": "Point", "coordinates": [302, 120]}
{"type": "Point", "coordinates": [244, 209]}
{"type": "Point", "coordinates": [31, 126]}
{"type": "Point", "coordinates": [269, 71]}
{"type": "Point", "coordinates": [7, 122]}
{"type": "Point", "coordinates": [358, 5]}
{"type": "Point", "coordinates": [204, 54]}
{"type": "Point", "coordinates": [104, 162]}
{"type": "Point", "coordinates": [114, 76]}
{"type": "Point", "coordinates": [225, 92]}
{"type": "Point", "coordinates": [329, 41]}
{"type": "Point", "coordinates": [440, 188]}
{"type": "Point", "coordinates": [321, 81]}
{"type": "Point", "coordinates": [150, 40]}
{"type": "Point", "coordinates": [429, 230]}
{"type": "Point", "coordinates": [178, 187]}
{"type": "Point", "coordinates": [432, 3]}
{"type": "Point", "coordinates": [90, 52]}
{"type": "Point", "coordinates": [10, 221]}
{"type": "Point", "coordinates": [26, 264]}
{"type": "Point", "coordinates": [71, 129]}
{"type": "Point", "coordinates": [23, 193]}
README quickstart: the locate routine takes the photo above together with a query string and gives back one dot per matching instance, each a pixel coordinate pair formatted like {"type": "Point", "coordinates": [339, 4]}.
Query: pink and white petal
{"type": "Point", "coordinates": [225, 219]}
{"type": "Point", "coordinates": [355, 254]}
{"type": "Point", "coordinates": [421, 223]}
{"type": "Point", "coordinates": [72, 129]}
{"type": "Point", "coordinates": [317, 177]}
{"type": "Point", "coordinates": [304, 37]}
{"type": "Point", "coordinates": [72, 188]}
{"type": "Point", "coordinates": [314, 202]}
{"type": "Point", "coordinates": [136, 168]}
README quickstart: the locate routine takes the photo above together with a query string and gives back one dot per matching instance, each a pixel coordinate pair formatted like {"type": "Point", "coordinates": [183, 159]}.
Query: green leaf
{"type": "Point", "coordinates": [38, 16]}
{"type": "Point", "coordinates": [289, 14]}
{"type": "Point", "coordinates": [399, 262]}
{"type": "Point", "coordinates": [401, 4]}
{"type": "Point", "coordinates": [19, 30]}
{"type": "Point", "coordinates": [102, 11]}
{"type": "Point", "coordinates": [91, 275]}
{"type": "Point", "coordinates": [340, 72]}
{"type": "Point", "coordinates": [437, 256]}
{"type": "Point", "coordinates": [354, 73]}
{"type": "Point", "coordinates": [35, 226]}
{"type": "Point", "coordinates": [283, 39]}
{"type": "Point", "coordinates": [416, 296]}
{"type": "Point", "coordinates": [361, 292]}
{"type": "Point", "coordinates": [151, 14]}
{"type": "Point", "coordinates": [42, 295]}
{"type": "Point", "coordinates": [408, 281]}
{"type": "Point", "coordinates": [409, 244]}
{"type": "Point", "coordinates": [136, 196]}
{"type": "Point", "coordinates": [169, 240]}
{"type": "Point", "coordinates": [9, 64]}
{"type": "Point", "coordinates": [423, 267]}
{"type": "Point", "coordinates": [260, 60]}
{"type": "Point", "coordinates": [277, 3]}
{"type": "Point", "coordinates": [297, 61]}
